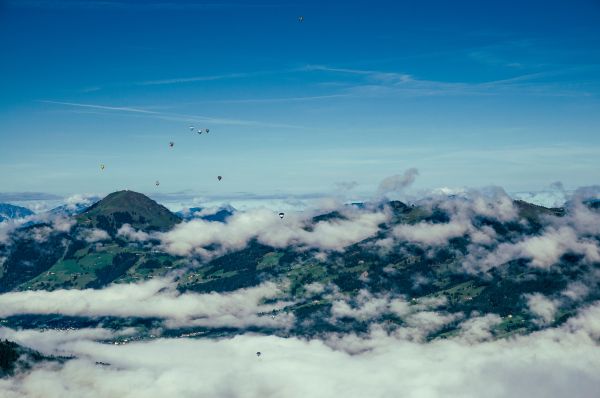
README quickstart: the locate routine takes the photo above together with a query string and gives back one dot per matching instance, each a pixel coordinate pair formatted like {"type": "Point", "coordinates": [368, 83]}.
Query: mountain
{"type": "Point", "coordinates": [70, 260]}
{"type": "Point", "coordinates": [9, 212]}
{"type": "Point", "coordinates": [593, 204]}
{"type": "Point", "coordinates": [33, 251]}
{"type": "Point", "coordinates": [533, 213]}
{"type": "Point", "coordinates": [128, 207]}
{"type": "Point", "coordinates": [219, 215]}
{"type": "Point", "coordinates": [70, 210]}
{"type": "Point", "coordinates": [14, 356]}
{"type": "Point", "coordinates": [9, 354]}
{"type": "Point", "coordinates": [40, 256]}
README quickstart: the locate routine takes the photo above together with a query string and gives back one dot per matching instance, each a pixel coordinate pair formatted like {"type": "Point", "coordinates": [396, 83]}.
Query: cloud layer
{"type": "Point", "coordinates": [155, 299]}
{"type": "Point", "coordinates": [382, 360]}
{"type": "Point", "coordinates": [266, 227]}
{"type": "Point", "coordinates": [554, 363]}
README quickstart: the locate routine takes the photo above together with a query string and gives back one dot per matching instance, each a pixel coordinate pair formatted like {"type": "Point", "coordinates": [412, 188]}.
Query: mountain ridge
{"type": "Point", "coordinates": [10, 212]}
{"type": "Point", "coordinates": [69, 260]}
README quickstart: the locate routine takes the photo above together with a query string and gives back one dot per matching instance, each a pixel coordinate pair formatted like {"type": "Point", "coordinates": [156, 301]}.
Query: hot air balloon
{"type": "Point", "coordinates": [171, 144]}
{"type": "Point", "coordinates": [219, 178]}
{"type": "Point", "coordinates": [281, 215]}
{"type": "Point", "coordinates": [157, 183]}
{"type": "Point", "coordinates": [258, 354]}
{"type": "Point", "coordinates": [301, 18]}
{"type": "Point", "coordinates": [102, 167]}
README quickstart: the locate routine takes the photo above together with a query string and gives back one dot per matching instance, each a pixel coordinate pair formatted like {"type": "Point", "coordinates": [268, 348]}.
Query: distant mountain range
{"type": "Point", "coordinates": [69, 209]}
{"type": "Point", "coordinates": [118, 200]}
{"type": "Point", "coordinates": [10, 212]}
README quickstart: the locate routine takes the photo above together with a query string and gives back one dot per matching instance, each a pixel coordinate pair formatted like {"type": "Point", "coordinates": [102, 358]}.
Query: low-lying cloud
{"type": "Point", "coordinates": [557, 362]}
{"type": "Point", "coordinates": [157, 298]}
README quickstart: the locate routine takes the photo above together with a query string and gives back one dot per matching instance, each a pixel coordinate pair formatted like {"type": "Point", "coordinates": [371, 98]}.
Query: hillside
{"type": "Point", "coordinates": [128, 207]}
{"type": "Point", "coordinates": [14, 357]}
{"type": "Point", "coordinates": [407, 269]}
{"type": "Point", "coordinates": [41, 258]}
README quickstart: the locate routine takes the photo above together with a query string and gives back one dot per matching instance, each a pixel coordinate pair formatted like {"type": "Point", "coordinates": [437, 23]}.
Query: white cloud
{"type": "Point", "coordinates": [6, 229]}
{"type": "Point", "coordinates": [447, 191]}
{"type": "Point", "coordinates": [397, 183]}
{"type": "Point", "coordinates": [128, 232]}
{"type": "Point", "coordinates": [492, 202]}
{"type": "Point", "coordinates": [544, 250]}
{"type": "Point", "coordinates": [587, 320]}
{"type": "Point", "coordinates": [544, 198]}
{"type": "Point", "coordinates": [576, 291]}
{"type": "Point", "coordinates": [479, 328]}
{"type": "Point", "coordinates": [62, 224]}
{"type": "Point", "coordinates": [542, 307]}
{"type": "Point", "coordinates": [50, 342]}
{"type": "Point", "coordinates": [431, 234]}
{"type": "Point", "coordinates": [156, 298]}
{"type": "Point", "coordinates": [74, 201]}
{"type": "Point", "coordinates": [264, 225]}
{"type": "Point", "coordinates": [418, 316]}
{"type": "Point", "coordinates": [41, 234]}
{"type": "Point", "coordinates": [551, 364]}
{"type": "Point", "coordinates": [463, 212]}
{"type": "Point", "coordinates": [363, 307]}
{"type": "Point", "coordinates": [421, 324]}
{"type": "Point", "coordinates": [94, 235]}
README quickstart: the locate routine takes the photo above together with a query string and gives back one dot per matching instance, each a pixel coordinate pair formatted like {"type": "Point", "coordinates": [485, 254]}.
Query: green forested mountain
{"type": "Point", "coordinates": [128, 207]}
{"type": "Point", "coordinates": [39, 257]}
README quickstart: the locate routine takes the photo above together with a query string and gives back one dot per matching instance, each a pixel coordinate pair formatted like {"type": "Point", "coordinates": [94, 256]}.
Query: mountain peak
{"type": "Point", "coordinates": [128, 207]}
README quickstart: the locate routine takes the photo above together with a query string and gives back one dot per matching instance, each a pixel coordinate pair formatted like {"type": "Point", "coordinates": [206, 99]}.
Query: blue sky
{"type": "Point", "coordinates": [470, 93]}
